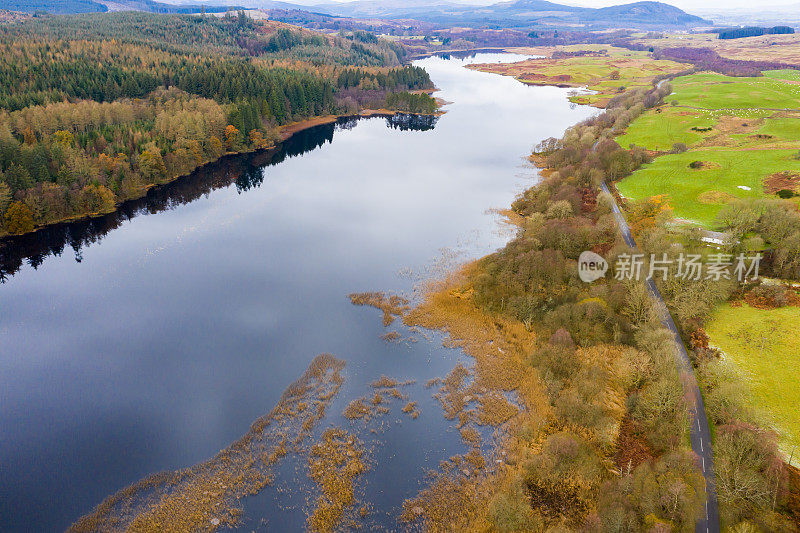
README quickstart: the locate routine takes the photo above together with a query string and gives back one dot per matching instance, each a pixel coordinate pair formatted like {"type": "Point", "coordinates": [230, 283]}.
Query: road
{"type": "Point", "coordinates": [700, 433]}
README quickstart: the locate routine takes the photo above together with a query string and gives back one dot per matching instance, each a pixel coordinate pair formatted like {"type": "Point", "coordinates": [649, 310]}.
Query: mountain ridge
{"type": "Point", "coordinates": [511, 14]}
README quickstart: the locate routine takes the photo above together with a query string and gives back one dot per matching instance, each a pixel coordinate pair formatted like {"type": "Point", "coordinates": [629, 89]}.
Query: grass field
{"type": "Point", "coordinates": [772, 372]}
{"type": "Point", "coordinates": [752, 137]}
{"type": "Point", "coordinates": [787, 129]}
{"type": "Point", "coordinates": [659, 131]}
{"type": "Point", "coordinates": [698, 195]}
{"type": "Point", "coordinates": [609, 71]}
{"type": "Point", "coordinates": [709, 90]}
{"type": "Point", "coordinates": [785, 74]}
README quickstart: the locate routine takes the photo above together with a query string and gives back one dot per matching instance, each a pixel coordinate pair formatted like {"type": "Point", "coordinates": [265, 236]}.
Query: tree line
{"type": "Point", "coordinates": [753, 31]}
{"type": "Point", "coordinates": [638, 426]}
{"type": "Point", "coordinates": [87, 123]}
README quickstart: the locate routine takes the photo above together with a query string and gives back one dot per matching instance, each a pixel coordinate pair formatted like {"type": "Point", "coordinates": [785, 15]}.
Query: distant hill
{"type": "Point", "coordinates": [509, 14]}
{"type": "Point", "coordinates": [519, 13]}
{"type": "Point", "coordinates": [645, 13]}
{"type": "Point", "coordinates": [60, 7]}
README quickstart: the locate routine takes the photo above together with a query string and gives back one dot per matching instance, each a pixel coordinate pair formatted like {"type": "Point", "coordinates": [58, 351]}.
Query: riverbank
{"type": "Point", "coordinates": [529, 290]}
{"type": "Point", "coordinates": [284, 133]}
{"type": "Point", "coordinates": [605, 70]}
{"type": "Point", "coordinates": [221, 269]}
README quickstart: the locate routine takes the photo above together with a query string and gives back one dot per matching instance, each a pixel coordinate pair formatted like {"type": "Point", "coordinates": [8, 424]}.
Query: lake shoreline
{"type": "Point", "coordinates": [285, 133]}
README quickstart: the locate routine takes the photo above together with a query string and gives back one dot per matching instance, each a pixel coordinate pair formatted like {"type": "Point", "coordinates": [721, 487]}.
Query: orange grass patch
{"type": "Point", "coordinates": [334, 463]}
{"type": "Point", "coordinates": [780, 181]}
{"type": "Point", "coordinates": [392, 306]}
{"type": "Point", "coordinates": [206, 496]}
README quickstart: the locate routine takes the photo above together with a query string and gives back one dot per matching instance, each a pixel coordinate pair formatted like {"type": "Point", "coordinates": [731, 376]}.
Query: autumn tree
{"type": "Point", "coordinates": [97, 199]}
{"type": "Point", "coordinates": [151, 164]}
{"type": "Point", "coordinates": [232, 137]}
{"type": "Point", "coordinates": [18, 218]}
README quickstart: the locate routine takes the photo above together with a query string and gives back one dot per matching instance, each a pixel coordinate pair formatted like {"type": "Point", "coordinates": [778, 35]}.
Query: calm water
{"type": "Point", "coordinates": [151, 339]}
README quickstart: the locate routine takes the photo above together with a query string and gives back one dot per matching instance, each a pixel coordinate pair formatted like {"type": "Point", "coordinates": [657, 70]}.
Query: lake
{"type": "Point", "coordinates": [152, 338]}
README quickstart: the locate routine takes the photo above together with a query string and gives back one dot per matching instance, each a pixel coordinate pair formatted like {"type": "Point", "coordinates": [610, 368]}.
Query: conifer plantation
{"type": "Point", "coordinates": [95, 109]}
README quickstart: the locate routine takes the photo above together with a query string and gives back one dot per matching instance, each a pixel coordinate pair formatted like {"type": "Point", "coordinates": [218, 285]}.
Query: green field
{"type": "Point", "coordinates": [698, 195]}
{"type": "Point", "coordinates": [715, 91]}
{"type": "Point", "coordinates": [659, 131]}
{"type": "Point", "coordinates": [771, 367]}
{"type": "Point", "coordinates": [787, 129]}
{"type": "Point", "coordinates": [609, 73]}
{"type": "Point", "coordinates": [738, 110]}
{"type": "Point", "coordinates": [784, 74]}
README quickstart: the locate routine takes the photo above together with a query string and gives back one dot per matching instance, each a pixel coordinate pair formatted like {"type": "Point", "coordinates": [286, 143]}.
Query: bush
{"type": "Point", "coordinates": [510, 511]}
{"type": "Point", "coordinates": [786, 194]}
{"type": "Point", "coordinates": [561, 209]}
{"type": "Point", "coordinates": [664, 495]}
{"type": "Point", "coordinates": [678, 148]}
{"type": "Point", "coordinates": [768, 295]}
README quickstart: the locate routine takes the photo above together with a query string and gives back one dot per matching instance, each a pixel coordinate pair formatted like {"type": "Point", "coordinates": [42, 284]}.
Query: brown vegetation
{"type": "Point", "coordinates": [393, 306]}
{"type": "Point", "coordinates": [411, 410]}
{"type": "Point", "coordinates": [334, 463]}
{"type": "Point", "coordinates": [207, 496]}
{"type": "Point", "coordinates": [632, 446]}
{"type": "Point", "coordinates": [781, 181]}
{"type": "Point", "coordinates": [771, 296]}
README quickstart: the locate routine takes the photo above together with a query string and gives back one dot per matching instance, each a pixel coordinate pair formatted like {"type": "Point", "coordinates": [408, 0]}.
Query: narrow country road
{"type": "Point", "coordinates": [700, 433]}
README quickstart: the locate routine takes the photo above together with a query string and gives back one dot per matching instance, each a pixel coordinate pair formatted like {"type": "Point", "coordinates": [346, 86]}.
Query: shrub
{"type": "Point", "coordinates": [509, 511]}
{"type": "Point", "coordinates": [678, 148]}
{"type": "Point", "coordinates": [768, 296]}
{"type": "Point", "coordinates": [560, 209]}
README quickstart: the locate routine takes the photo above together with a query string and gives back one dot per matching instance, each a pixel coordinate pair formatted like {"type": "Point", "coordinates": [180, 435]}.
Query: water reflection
{"type": "Point", "coordinates": [411, 122]}
{"type": "Point", "coordinates": [182, 328]}
{"type": "Point", "coordinates": [244, 171]}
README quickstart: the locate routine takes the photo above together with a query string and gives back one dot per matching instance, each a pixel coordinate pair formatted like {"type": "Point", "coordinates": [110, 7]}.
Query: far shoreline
{"type": "Point", "coordinates": [285, 133]}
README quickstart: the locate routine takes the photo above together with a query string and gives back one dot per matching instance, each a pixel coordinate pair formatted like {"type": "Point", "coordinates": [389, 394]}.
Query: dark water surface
{"type": "Point", "coordinates": [150, 339]}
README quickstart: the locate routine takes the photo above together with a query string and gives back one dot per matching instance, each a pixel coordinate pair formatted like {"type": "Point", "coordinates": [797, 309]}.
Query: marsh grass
{"type": "Point", "coordinates": [334, 464]}
{"type": "Point", "coordinates": [411, 410]}
{"type": "Point", "coordinates": [392, 305]}
{"type": "Point", "coordinates": [207, 496]}
{"type": "Point", "coordinates": [539, 422]}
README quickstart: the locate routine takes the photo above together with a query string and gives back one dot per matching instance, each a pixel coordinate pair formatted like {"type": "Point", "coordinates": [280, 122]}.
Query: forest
{"type": "Point", "coordinates": [753, 31]}
{"type": "Point", "coordinates": [95, 109]}
{"type": "Point", "coordinates": [606, 361]}
{"type": "Point", "coordinates": [708, 59]}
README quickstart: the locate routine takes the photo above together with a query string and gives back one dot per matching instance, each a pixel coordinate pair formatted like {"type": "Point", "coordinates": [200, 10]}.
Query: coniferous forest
{"type": "Point", "coordinates": [95, 109]}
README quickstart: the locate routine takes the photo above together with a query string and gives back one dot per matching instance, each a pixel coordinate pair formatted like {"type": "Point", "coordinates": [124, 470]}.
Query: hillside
{"type": "Point", "coordinates": [174, 92]}
{"type": "Point", "coordinates": [522, 13]}
{"type": "Point", "coordinates": [55, 6]}
{"type": "Point", "coordinates": [515, 14]}
{"type": "Point", "coordinates": [61, 7]}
